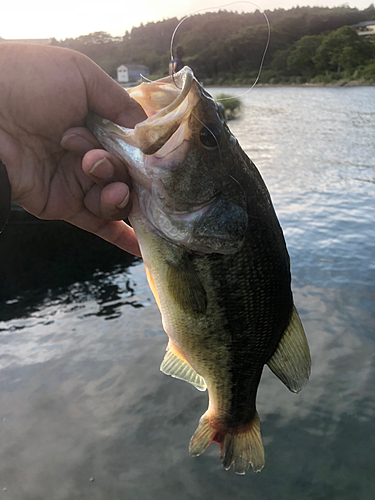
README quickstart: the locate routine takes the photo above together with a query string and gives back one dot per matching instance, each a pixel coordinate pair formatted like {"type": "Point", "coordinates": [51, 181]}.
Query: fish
{"type": "Point", "coordinates": [215, 259]}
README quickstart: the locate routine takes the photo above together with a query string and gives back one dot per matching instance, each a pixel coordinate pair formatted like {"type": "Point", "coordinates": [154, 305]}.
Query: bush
{"type": "Point", "coordinates": [366, 73]}
{"type": "Point", "coordinates": [232, 105]}
{"type": "Point", "coordinates": [326, 79]}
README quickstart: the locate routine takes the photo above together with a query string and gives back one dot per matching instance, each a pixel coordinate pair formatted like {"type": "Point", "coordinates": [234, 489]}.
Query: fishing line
{"type": "Point", "coordinates": [220, 7]}
{"type": "Point", "coordinates": [145, 78]}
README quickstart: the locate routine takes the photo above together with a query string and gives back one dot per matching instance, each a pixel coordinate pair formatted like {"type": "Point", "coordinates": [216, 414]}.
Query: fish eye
{"type": "Point", "coordinates": [210, 136]}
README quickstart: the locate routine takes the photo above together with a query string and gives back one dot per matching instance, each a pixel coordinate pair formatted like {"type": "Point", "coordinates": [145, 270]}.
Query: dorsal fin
{"type": "Point", "coordinates": [291, 361]}
{"type": "Point", "coordinates": [175, 365]}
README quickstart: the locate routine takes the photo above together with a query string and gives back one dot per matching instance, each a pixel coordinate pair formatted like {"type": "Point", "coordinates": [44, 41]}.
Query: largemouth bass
{"type": "Point", "coordinates": [215, 259]}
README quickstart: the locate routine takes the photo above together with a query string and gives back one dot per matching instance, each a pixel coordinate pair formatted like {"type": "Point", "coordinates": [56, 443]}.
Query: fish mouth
{"type": "Point", "coordinates": [166, 102]}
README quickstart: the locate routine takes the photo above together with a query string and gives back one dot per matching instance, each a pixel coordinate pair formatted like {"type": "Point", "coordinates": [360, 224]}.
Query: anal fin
{"type": "Point", "coordinates": [291, 361]}
{"type": "Point", "coordinates": [175, 365]}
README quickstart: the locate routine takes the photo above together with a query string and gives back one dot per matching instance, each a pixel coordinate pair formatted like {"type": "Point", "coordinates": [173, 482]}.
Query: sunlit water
{"type": "Point", "coordinates": [85, 412]}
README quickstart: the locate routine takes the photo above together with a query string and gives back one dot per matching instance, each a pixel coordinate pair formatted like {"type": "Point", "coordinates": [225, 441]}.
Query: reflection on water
{"type": "Point", "coordinates": [81, 339]}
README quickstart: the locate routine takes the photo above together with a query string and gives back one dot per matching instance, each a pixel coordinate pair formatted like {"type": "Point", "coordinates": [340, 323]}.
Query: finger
{"type": "Point", "coordinates": [108, 99]}
{"type": "Point", "coordinates": [103, 168]}
{"type": "Point", "coordinates": [79, 140]}
{"type": "Point", "coordinates": [111, 203]}
{"type": "Point", "coordinates": [116, 232]}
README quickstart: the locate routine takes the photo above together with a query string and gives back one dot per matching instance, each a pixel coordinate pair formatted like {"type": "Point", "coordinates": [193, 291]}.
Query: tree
{"type": "Point", "coordinates": [343, 49]}
{"type": "Point", "coordinates": [228, 46]}
{"type": "Point", "coordinates": [301, 59]}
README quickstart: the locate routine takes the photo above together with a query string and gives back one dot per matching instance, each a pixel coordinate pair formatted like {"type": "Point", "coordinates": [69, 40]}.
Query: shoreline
{"type": "Point", "coordinates": [335, 84]}
{"type": "Point", "coordinates": [338, 84]}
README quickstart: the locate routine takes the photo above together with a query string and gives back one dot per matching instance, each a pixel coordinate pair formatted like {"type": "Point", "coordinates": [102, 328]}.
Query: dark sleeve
{"type": "Point", "coordinates": [4, 196]}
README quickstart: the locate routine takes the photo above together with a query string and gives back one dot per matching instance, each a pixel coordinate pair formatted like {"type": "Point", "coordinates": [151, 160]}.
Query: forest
{"type": "Point", "coordinates": [307, 45]}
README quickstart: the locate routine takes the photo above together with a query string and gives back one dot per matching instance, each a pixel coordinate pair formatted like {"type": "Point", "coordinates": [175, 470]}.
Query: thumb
{"type": "Point", "coordinates": [108, 99]}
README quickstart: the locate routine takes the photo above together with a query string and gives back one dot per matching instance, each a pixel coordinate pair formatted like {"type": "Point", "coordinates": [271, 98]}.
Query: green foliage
{"type": "Point", "coordinates": [232, 105]}
{"type": "Point", "coordinates": [301, 58]}
{"type": "Point", "coordinates": [343, 49]}
{"type": "Point", "coordinates": [226, 48]}
{"type": "Point", "coordinates": [365, 73]}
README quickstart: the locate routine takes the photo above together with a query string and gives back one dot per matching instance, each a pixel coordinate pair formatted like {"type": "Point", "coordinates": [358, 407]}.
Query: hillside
{"type": "Point", "coordinates": [313, 44]}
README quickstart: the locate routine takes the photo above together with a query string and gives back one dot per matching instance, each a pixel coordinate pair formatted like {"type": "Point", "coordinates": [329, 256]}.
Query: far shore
{"type": "Point", "coordinates": [338, 84]}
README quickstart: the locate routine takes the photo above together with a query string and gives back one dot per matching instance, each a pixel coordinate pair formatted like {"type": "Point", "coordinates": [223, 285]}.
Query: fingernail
{"type": "Point", "coordinates": [105, 171]}
{"type": "Point", "coordinates": [75, 142]}
{"type": "Point", "coordinates": [65, 139]}
{"type": "Point", "coordinates": [124, 202]}
{"type": "Point", "coordinates": [96, 165]}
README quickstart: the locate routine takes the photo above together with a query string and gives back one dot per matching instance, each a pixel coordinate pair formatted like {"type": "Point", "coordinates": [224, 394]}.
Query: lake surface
{"type": "Point", "coordinates": [85, 412]}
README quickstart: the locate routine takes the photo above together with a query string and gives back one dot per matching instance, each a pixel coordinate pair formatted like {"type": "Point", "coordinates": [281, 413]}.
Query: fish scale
{"type": "Point", "coordinates": [247, 318]}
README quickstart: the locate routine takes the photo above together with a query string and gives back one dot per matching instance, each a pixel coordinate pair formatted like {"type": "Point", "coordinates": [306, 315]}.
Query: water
{"type": "Point", "coordinates": [85, 412]}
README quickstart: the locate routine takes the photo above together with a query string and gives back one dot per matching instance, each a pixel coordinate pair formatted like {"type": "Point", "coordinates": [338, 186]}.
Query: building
{"type": "Point", "coordinates": [127, 73]}
{"type": "Point", "coordinates": [365, 28]}
{"type": "Point", "coordinates": [33, 41]}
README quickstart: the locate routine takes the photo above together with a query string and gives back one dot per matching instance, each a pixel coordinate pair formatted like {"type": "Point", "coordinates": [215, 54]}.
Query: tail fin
{"type": "Point", "coordinates": [241, 448]}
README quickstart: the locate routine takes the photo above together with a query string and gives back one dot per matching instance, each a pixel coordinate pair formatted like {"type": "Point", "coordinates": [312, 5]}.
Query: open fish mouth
{"type": "Point", "coordinates": [166, 103]}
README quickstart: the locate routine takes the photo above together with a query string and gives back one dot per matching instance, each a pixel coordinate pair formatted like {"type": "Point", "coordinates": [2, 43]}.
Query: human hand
{"type": "Point", "coordinates": [45, 94]}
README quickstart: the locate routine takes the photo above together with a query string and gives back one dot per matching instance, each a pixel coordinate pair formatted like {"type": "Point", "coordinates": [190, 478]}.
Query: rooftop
{"type": "Point", "coordinates": [32, 41]}
{"type": "Point", "coordinates": [363, 24]}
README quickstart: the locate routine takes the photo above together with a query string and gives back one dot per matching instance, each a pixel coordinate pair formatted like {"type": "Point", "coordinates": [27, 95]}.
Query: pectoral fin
{"type": "Point", "coordinates": [186, 288]}
{"type": "Point", "coordinates": [175, 365]}
{"type": "Point", "coordinates": [291, 361]}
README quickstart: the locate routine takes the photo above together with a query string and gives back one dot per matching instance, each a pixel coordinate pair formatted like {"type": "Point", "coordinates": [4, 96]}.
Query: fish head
{"type": "Point", "coordinates": [183, 162]}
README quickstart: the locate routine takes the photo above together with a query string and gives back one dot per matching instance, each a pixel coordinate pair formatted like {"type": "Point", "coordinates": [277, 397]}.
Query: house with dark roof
{"type": "Point", "coordinates": [365, 27]}
{"type": "Point", "coordinates": [32, 41]}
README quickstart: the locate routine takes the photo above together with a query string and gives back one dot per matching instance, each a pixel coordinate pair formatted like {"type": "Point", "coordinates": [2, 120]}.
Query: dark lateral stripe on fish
{"type": "Point", "coordinates": [252, 317]}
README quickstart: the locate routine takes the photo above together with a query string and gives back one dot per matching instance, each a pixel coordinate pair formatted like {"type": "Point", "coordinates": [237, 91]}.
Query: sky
{"type": "Point", "coordinates": [72, 18]}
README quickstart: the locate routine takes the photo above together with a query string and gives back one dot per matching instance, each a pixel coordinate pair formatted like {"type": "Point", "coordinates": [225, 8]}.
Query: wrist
{"type": "Point", "coordinates": [4, 196]}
